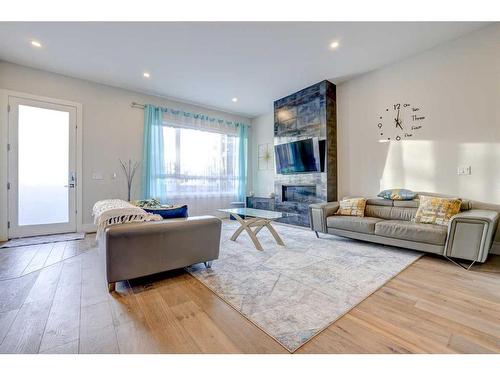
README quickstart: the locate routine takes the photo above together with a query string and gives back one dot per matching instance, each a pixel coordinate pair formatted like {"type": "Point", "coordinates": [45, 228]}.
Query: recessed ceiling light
{"type": "Point", "coordinates": [234, 100]}
{"type": "Point", "coordinates": [146, 75]}
{"type": "Point", "coordinates": [36, 43]}
{"type": "Point", "coordinates": [334, 45]}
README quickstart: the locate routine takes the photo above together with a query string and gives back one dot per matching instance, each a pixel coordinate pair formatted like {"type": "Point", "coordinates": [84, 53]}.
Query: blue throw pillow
{"type": "Point", "coordinates": [398, 194]}
{"type": "Point", "coordinates": [169, 212]}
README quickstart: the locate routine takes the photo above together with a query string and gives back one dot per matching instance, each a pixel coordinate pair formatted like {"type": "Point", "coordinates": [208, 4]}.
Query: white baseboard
{"type": "Point", "coordinates": [89, 228]}
{"type": "Point", "coordinates": [495, 248]}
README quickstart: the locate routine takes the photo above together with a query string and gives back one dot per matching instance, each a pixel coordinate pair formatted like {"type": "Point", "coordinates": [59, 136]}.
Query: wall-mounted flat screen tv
{"type": "Point", "coordinates": [304, 156]}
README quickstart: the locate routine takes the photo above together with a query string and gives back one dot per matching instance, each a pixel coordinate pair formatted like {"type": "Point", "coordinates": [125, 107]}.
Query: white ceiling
{"type": "Point", "coordinates": [210, 63]}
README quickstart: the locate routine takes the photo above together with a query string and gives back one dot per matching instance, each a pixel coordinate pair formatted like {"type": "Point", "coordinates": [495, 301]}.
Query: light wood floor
{"type": "Point", "coordinates": [64, 307]}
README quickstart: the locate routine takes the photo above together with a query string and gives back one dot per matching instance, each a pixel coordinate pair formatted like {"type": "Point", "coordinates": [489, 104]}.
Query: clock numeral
{"type": "Point", "coordinates": [417, 118]}
{"type": "Point", "coordinates": [398, 138]}
{"type": "Point", "coordinates": [379, 125]}
{"type": "Point", "coordinates": [397, 106]}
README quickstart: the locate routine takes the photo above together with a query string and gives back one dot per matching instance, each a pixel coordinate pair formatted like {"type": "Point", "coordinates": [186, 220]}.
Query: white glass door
{"type": "Point", "coordinates": [42, 179]}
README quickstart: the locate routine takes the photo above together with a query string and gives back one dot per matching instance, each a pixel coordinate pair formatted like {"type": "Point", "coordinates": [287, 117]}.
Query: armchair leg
{"type": "Point", "coordinates": [111, 287]}
{"type": "Point", "coordinates": [467, 268]}
{"type": "Point", "coordinates": [208, 264]}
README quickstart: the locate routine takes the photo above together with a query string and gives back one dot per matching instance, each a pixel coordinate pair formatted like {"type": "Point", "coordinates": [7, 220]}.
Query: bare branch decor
{"type": "Point", "coordinates": [129, 171]}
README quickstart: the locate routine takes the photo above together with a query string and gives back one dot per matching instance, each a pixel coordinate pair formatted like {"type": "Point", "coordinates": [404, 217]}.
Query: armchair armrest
{"type": "Point", "coordinates": [470, 234]}
{"type": "Point", "coordinates": [318, 213]}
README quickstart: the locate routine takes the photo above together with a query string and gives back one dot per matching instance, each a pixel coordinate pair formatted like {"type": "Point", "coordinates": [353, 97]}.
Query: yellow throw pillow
{"type": "Point", "coordinates": [352, 207]}
{"type": "Point", "coordinates": [435, 210]}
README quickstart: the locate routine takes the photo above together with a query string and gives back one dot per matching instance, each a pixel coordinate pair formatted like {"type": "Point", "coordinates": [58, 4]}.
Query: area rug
{"type": "Point", "coordinates": [294, 292]}
{"type": "Point", "coordinates": [37, 240]}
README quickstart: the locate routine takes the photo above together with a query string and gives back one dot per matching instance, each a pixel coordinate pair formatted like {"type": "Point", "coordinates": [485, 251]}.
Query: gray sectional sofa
{"type": "Point", "coordinates": [469, 234]}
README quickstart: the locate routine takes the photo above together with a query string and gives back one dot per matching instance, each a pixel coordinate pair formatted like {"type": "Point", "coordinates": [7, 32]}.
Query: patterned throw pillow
{"type": "Point", "coordinates": [166, 211]}
{"type": "Point", "coordinates": [352, 207]}
{"type": "Point", "coordinates": [397, 194]}
{"type": "Point", "coordinates": [435, 210]}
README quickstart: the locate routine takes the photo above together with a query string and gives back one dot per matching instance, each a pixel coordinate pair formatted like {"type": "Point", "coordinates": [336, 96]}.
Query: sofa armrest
{"type": "Point", "coordinates": [318, 213]}
{"type": "Point", "coordinates": [470, 234]}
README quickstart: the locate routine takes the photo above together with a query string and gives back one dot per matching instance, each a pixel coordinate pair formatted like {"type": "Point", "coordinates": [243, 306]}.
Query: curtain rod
{"type": "Point", "coordinates": [137, 105]}
{"type": "Point", "coordinates": [142, 106]}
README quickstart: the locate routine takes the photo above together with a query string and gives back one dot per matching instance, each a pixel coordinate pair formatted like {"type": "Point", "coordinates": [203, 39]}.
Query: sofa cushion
{"type": "Point", "coordinates": [172, 212]}
{"type": "Point", "coordinates": [406, 204]}
{"type": "Point", "coordinates": [353, 223]}
{"type": "Point", "coordinates": [411, 231]}
{"type": "Point", "coordinates": [465, 206]}
{"type": "Point", "coordinates": [382, 212]}
{"type": "Point", "coordinates": [436, 210]}
{"type": "Point", "coordinates": [352, 207]}
{"type": "Point", "coordinates": [403, 213]}
{"type": "Point", "coordinates": [397, 194]}
{"type": "Point", "coordinates": [379, 202]}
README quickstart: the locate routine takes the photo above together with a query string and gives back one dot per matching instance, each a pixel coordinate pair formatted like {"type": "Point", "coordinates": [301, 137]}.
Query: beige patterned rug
{"type": "Point", "coordinates": [294, 292]}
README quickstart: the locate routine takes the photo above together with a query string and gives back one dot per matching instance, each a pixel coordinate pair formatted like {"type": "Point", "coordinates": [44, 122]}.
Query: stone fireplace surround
{"type": "Point", "coordinates": [308, 113]}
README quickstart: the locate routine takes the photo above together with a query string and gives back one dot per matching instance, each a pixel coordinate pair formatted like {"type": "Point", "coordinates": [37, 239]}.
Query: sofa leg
{"type": "Point", "coordinates": [208, 264]}
{"type": "Point", "coordinates": [467, 268]}
{"type": "Point", "coordinates": [317, 235]}
{"type": "Point", "coordinates": [111, 287]}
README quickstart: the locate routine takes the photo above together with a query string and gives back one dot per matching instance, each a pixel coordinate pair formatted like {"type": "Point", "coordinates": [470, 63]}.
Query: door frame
{"type": "Point", "coordinates": [4, 155]}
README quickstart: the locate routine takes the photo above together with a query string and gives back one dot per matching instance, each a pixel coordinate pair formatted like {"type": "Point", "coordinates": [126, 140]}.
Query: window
{"type": "Point", "coordinates": [200, 163]}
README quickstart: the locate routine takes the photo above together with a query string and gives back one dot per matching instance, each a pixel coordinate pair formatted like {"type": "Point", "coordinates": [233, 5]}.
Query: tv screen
{"type": "Point", "coordinates": [298, 157]}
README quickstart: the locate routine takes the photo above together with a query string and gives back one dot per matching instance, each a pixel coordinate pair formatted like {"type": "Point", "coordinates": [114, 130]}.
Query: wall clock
{"type": "Point", "coordinates": [400, 121]}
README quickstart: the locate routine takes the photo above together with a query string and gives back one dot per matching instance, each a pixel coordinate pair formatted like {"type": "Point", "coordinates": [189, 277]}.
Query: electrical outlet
{"type": "Point", "coordinates": [97, 176]}
{"type": "Point", "coordinates": [464, 170]}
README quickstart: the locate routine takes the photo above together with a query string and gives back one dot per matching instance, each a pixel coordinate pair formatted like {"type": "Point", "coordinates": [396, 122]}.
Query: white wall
{"type": "Point", "coordinates": [262, 132]}
{"type": "Point", "coordinates": [457, 85]}
{"type": "Point", "coordinates": [111, 128]}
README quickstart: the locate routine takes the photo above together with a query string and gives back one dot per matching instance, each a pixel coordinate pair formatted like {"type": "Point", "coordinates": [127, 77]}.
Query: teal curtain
{"type": "Point", "coordinates": [242, 161]}
{"type": "Point", "coordinates": [153, 161]}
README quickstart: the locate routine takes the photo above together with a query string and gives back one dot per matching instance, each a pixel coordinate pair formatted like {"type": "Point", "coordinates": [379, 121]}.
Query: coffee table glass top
{"type": "Point", "coordinates": [254, 212]}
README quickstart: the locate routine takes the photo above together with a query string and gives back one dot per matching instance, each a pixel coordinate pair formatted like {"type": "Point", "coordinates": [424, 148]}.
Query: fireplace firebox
{"type": "Point", "coordinates": [298, 193]}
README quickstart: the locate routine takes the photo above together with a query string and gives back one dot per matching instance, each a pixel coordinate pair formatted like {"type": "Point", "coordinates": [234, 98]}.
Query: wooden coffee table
{"type": "Point", "coordinates": [252, 220]}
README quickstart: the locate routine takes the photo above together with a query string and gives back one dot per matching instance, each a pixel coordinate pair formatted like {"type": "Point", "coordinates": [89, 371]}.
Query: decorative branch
{"type": "Point", "coordinates": [129, 171]}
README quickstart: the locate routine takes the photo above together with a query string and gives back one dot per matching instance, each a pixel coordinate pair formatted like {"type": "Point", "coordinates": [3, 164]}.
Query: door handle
{"type": "Point", "coordinates": [72, 180]}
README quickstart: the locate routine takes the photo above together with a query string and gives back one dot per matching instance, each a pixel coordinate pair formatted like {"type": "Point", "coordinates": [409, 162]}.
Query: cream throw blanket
{"type": "Point", "coordinates": [116, 211]}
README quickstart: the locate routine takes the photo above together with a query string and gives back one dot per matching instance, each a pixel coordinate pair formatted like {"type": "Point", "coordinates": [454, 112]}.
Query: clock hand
{"type": "Point", "coordinates": [398, 122]}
